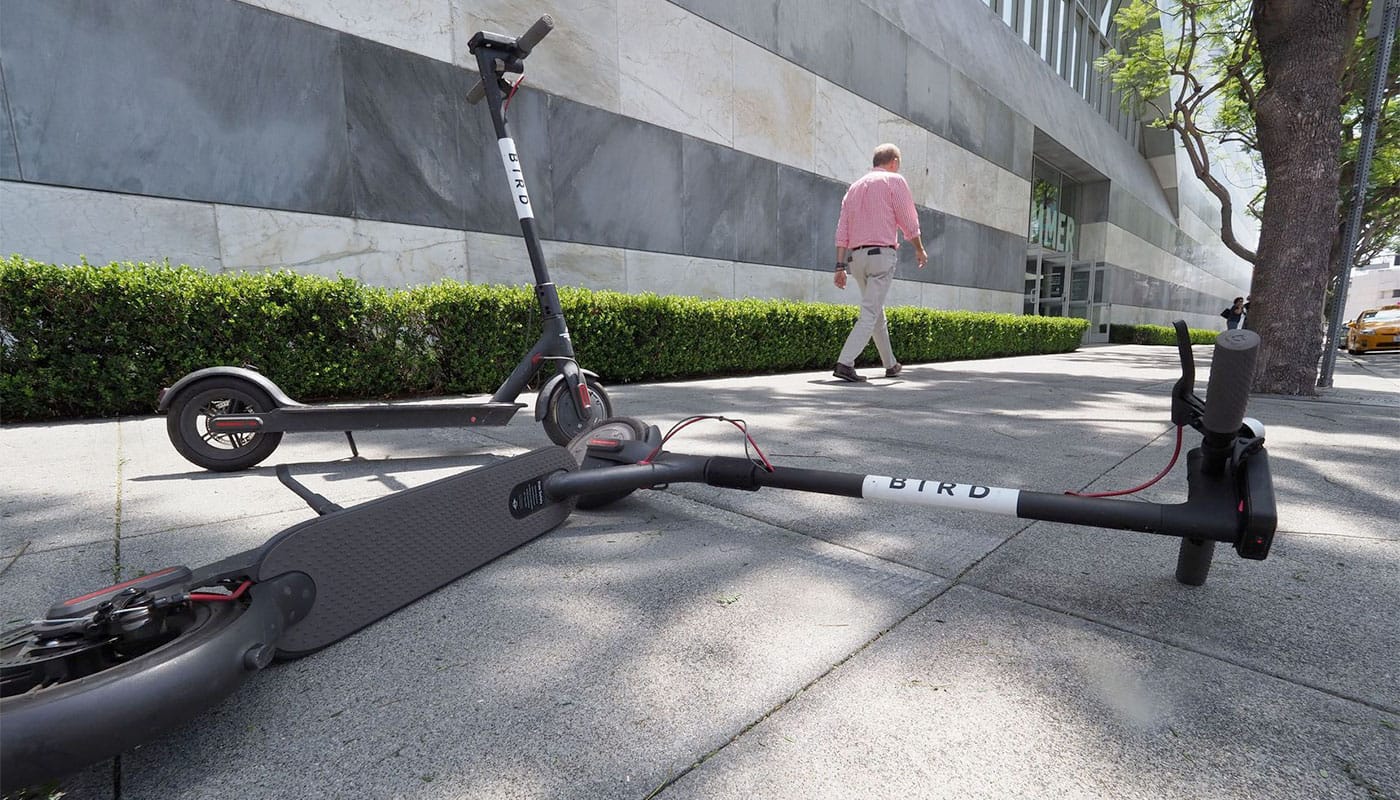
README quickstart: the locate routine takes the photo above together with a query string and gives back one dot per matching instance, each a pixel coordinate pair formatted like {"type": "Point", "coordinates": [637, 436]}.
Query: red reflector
{"type": "Point", "coordinates": [603, 442]}
{"type": "Point", "coordinates": [583, 396]}
{"type": "Point", "coordinates": [235, 424]}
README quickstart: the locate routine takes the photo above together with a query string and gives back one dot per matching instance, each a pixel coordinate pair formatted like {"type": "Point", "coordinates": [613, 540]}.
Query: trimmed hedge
{"type": "Point", "coordinates": [1157, 335]}
{"type": "Point", "coordinates": [102, 340]}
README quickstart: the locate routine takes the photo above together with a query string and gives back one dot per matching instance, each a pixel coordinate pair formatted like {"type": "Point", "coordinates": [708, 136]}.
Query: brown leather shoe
{"type": "Point", "coordinates": [846, 373]}
{"type": "Point", "coordinates": [895, 370]}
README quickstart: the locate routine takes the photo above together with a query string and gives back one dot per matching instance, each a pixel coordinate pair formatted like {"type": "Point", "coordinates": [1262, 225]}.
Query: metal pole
{"type": "Point", "coordinates": [1363, 174]}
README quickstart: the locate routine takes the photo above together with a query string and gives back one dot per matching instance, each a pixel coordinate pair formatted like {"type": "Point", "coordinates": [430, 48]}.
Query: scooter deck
{"type": "Point", "coordinates": [368, 561]}
{"type": "Point", "coordinates": [367, 416]}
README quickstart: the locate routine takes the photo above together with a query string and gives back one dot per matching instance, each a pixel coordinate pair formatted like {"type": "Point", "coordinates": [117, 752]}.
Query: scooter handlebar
{"type": "Point", "coordinates": [1231, 372]}
{"type": "Point", "coordinates": [521, 47]}
{"type": "Point", "coordinates": [532, 37]}
{"type": "Point", "coordinates": [478, 91]}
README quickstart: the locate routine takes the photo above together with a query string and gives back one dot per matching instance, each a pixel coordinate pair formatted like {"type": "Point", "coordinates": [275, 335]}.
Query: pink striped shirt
{"type": "Point", "coordinates": [873, 207]}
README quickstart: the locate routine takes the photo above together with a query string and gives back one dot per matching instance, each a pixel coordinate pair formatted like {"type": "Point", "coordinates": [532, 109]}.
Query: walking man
{"type": "Point", "coordinates": [874, 211]}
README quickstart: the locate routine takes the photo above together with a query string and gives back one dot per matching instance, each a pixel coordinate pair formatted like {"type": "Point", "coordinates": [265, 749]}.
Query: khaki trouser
{"type": "Point", "coordinates": [874, 275]}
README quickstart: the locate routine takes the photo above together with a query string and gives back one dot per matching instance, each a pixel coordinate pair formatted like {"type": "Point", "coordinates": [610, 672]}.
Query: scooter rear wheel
{"type": "Point", "coordinates": [562, 421]}
{"type": "Point", "coordinates": [101, 700]}
{"type": "Point", "coordinates": [187, 423]}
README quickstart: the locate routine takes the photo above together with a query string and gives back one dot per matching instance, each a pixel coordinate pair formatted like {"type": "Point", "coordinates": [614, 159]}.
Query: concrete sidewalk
{"type": "Point", "coordinates": [706, 643]}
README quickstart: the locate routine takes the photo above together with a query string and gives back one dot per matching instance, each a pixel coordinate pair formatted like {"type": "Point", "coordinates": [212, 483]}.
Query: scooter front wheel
{"type": "Point", "coordinates": [624, 429]}
{"type": "Point", "coordinates": [187, 423]}
{"type": "Point", "coordinates": [562, 421]}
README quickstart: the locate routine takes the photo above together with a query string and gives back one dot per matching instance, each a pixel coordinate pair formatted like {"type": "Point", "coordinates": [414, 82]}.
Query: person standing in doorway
{"type": "Point", "coordinates": [875, 210]}
{"type": "Point", "coordinates": [1234, 315]}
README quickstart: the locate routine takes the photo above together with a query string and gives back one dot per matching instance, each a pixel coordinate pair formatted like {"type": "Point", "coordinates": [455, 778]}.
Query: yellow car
{"type": "Point", "coordinates": [1374, 329]}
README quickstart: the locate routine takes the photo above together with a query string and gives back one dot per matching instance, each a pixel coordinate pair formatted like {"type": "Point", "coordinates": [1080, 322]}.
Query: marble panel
{"type": "Point", "coordinates": [999, 135]}
{"type": "Point", "coordinates": [261, 121]}
{"type": "Point", "coordinates": [757, 226]}
{"type": "Point", "coordinates": [419, 26]}
{"type": "Point", "coordinates": [932, 230]}
{"type": "Point", "coordinates": [720, 196]}
{"type": "Point", "coordinates": [959, 256]}
{"type": "Point", "coordinates": [1122, 247]}
{"type": "Point", "coordinates": [774, 102]}
{"type": "Point", "coordinates": [940, 162]}
{"type": "Point", "coordinates": [970, 298]}
{"type": "Point", "coordinates": [927, 88]}
{"type": "Point", "coordinates": [770, 282]}
{"type": "Point", "coordinates": [1093, 240]}
{"type": "Point", "coordinates": [1013, 203]}
{"type": "Point", "coordinates": [676, 70]}
{"type": "Point", "coordinates": [912, 141]}
{"type": "Point", "coordinates": [686, 276]}
{"type": "Point", "coordinates": [846, 131]}
{"type": "Point", "coordinates": [939, 296]}
{"type": "Point", "coordinates": [817, 35]}
{"type": "Point", "coordinates": [905, 293]}
{"type": "Point", "coordinates": [1004, 266]}
{"type": "Point", "coordinates": [971, 187]}
{"type": "Point", "coordinates": [489, 206]}
{"type": "Point", "coordinates": [9, 156]}
{"type": "Point", "coordinates": [823, 290]}
{"type": "Point", "coordinates": [586, 266]}
{"type": "Point", "coordinates": [809, 207]}
{"type": "Point", "coordinates": [376, 253]}
{"type": "Point", "coordinates": [968, 109]}
{"type": "Point", "coordinates": [496, 260]}
{"type": "Point", "coordinates": [406, 120]}
{"type": "Point", "coordinates": [579, 58]}
{"type": "Point", "coordinates": [61, 226]}
{"type": "Point", "coordinates": [757, 22]}
{"type": "Point", "coordinates": [878, 59]}
{"type": "Point", "coordinates": [616, 181]}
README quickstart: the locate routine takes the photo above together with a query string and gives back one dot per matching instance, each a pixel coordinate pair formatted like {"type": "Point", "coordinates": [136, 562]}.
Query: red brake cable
{"type": "Point", "coordinates": [1175, 452]}
{"type": "Point", "coordinates": [208, 597]}
{"type": "Point", "coordinates": [738, 423]}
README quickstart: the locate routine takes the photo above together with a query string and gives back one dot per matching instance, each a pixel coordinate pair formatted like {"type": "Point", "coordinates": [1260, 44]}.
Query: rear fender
{"type": "Point", "coordinates": [279, 397]}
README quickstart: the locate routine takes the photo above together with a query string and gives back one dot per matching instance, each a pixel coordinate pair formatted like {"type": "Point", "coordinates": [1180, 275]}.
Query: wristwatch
{"type": "Point", "coordinates": [840, 267]}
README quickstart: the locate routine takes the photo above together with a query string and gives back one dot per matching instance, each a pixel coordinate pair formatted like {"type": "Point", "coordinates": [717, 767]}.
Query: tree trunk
{"type": "Point", "coordinates": [1302, 44]}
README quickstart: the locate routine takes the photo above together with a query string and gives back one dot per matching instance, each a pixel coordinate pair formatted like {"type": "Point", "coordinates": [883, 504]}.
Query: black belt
{"type": "Point", "coordinates": [873, 249]}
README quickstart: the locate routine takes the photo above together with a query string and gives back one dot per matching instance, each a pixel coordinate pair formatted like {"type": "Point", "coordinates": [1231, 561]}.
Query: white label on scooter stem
{"type": "Point", "coordinates": [516, 178]}
{"type": "Point", "coordinates": [969, 497]}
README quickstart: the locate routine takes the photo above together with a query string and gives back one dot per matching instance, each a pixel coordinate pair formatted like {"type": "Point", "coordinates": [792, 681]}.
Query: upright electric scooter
{"type": "Point", "coordinates": [110, 669]}
{"type": "Point", "coordinates": [230, 418]}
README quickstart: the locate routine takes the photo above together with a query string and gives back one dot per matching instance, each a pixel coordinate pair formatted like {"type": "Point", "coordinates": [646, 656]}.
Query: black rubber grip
{"type": "Point", "coordinates": [532, 37]}
{"type": "Point", "coordinates": [1193, 561]}
{"type": "Point", "coordinates": [478, 91]}
{"type": "Point", "coordinates": [1231, 371]}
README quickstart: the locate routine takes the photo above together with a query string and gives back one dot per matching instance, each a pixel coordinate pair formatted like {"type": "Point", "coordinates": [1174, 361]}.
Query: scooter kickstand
{"type": "Point", "coordinates": [354, 451]}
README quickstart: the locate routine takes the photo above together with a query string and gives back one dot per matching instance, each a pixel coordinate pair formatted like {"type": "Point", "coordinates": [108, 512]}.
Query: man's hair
{"type": "Point", "coordinates": [1239, 299]}
{"type": "Point", "coordinates": [884, 154]}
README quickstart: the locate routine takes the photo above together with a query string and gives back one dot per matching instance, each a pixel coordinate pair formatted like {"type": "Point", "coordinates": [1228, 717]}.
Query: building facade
{"type": "Point", "coordinates": [1372, 286]}
{"type": "Point", "coordinates": [674, 146]}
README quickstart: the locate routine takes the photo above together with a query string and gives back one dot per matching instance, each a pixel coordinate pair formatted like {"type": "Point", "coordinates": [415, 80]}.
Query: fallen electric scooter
{"type": "Point", "coordinates": [110, 669]}
{"type": "Point", "coordinates": [231, 418]}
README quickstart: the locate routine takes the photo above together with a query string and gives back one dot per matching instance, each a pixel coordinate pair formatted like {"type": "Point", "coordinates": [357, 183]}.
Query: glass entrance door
{"type": "Point", "coordinates": [1053, 275]}
{"type": "Point", "coordinates": [1087, 294]}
